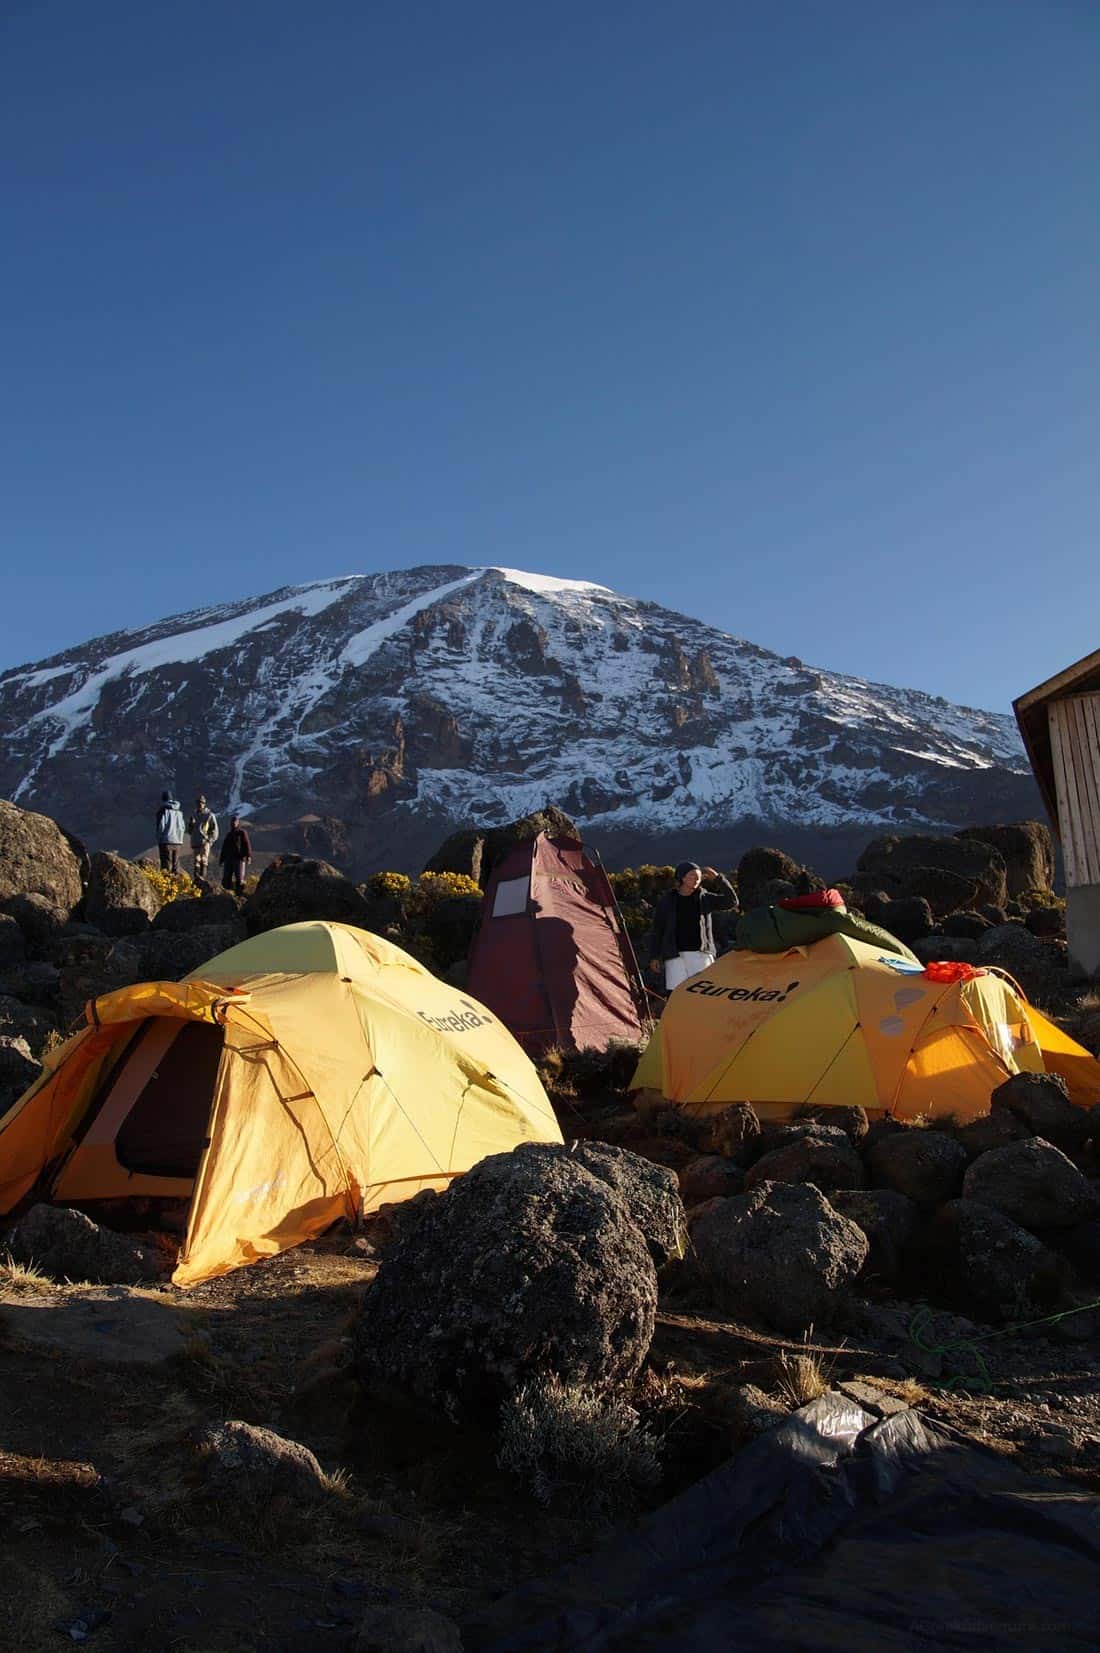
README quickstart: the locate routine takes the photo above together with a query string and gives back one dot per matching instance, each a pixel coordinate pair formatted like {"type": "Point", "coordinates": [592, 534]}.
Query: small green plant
{"type": "Point", "coordinates": [563, 1440]}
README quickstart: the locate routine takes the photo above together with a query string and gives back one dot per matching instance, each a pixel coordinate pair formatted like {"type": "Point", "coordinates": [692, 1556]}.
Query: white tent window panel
{"type": "Point", "coordinates": [1075, 746]}
{"type": "Point", "coordinates": [512, 896]}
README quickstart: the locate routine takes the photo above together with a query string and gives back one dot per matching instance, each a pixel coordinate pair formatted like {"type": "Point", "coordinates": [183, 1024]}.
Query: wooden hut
{"type": "Point", "coordinates": [1060, 723]}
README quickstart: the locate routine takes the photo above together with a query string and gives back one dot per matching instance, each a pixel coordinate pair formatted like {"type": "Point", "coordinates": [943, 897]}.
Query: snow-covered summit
{"type": "Point", "coordinates": [442, 694]}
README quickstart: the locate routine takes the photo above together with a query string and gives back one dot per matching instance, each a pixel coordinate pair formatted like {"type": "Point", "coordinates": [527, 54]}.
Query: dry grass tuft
{"type": "Point", "coordinates": [802, 1378]}
{"type": "Point", "coordinates": [906, 1389]}
{"type": "Point", "coordinates": [24, 1278]}
{"type": "Point", "coordinates": [252, 1393]}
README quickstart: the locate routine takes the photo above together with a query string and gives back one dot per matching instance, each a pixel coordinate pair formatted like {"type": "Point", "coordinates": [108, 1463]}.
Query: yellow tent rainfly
{"type": "Point", "coordinates": [843, 1021]}
{"type": "Point", "coordinates": [311, 1073]}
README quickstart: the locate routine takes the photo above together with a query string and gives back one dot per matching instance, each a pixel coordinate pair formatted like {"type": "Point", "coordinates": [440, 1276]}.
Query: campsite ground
{"type": "Point", "coordinates": [107, 1526]}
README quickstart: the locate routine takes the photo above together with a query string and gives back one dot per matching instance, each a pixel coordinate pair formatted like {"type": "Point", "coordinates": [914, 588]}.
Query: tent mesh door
{"type": "Point", "coordinates": [165, 1132]}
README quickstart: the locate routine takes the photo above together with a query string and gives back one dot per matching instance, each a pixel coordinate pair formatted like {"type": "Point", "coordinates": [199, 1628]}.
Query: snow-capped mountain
{"type": "Point", "coordinates": [405, 703]}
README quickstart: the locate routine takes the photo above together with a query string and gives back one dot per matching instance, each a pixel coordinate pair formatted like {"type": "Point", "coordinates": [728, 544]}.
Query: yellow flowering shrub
{"type": "Point", "coordinates": [440, 886]}
{"type": "Point", "coordinates": [170, 886]}
{"type": "Point", "coordinates": [395, 884]}
{"type": "Point", "coordinates": [1041, 898]}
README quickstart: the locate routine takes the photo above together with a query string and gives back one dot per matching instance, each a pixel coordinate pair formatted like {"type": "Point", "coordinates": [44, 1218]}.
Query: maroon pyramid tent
{"type": "Point", "coordinates": [552, 959]}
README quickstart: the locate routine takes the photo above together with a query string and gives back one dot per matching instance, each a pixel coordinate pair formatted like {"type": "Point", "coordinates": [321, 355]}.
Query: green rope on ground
{"type": "Point", "coordinates": [920, 1328]}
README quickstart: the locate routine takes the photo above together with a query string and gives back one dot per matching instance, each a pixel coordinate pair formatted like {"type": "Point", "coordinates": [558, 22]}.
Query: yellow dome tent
{"type": "Point", "coordinates": [843, 1022]}
{"type": "Point", "coordinates": [312, 1073]}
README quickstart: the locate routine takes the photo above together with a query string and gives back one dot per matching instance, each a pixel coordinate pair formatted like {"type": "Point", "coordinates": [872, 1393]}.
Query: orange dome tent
{"type": "Point", "coordinates": [309, 1074]}
{"type": "Point", "coordinates": [843, 1021]}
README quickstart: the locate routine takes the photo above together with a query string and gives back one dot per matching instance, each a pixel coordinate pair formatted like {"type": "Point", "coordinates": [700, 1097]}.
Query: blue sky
{"type": "Point", "coordinates": [783, 315]}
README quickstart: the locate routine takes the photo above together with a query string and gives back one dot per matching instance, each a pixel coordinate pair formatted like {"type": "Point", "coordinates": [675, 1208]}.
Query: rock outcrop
{"type": "Point", "coordinates": [527, 1267]}
{"type": "Point", "coordinates": [781, 1252]}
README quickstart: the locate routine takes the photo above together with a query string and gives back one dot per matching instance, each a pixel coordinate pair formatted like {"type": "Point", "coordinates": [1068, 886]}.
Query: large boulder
{"type": "Point", "coordinates": [925, 1166]}
{"type": "Point", "coordinates": [734, 1132]}
{"type": "Point", "coordinates": [990, 1130]}
{"type": "Point", "coordinates": [1004, 1272]}
{"type": "Point", "coordinates": [40, 919]}
{"type": "Point", "coordinates": [888, 1219]}
{"type": "Point", "coordinates": [13, 945]}
{"type": "Point", "coordinates": [944, 890]}
{"type": "Point", "coordinates": [781, 1252]}
{"type": "Point", "coordinates": [965, 926]}
{"type": "Point", "coordinates": [18, 1068]}
{"type": "Point", "coordinates": [462, 852]}
{"type": "Point", "coordinates": [909, 917]}
{"type": "Point", "coordinates": [242, 1464]}
{"type": "Point", "coordinates": [95, 969]}
{"type": "Point", "coordinates": [1027, 958]}
{"type": "Point", "coordinates": [812, 1158]}
{"type": "Point", "coordinates": [325, 838]}
{"type": "Point", "coordinates": [120, 899]}
{"type": "Point", "coordinates": [35, 982]}
{"type": "Point", "coordinates": [527, 1267]}
{"type": "Point", "coordinates": [292, 891]}
{"type": "Point", "coordinates": [649, 1191]}
{"type": "Point", "coordinates": [1027, 850]}
{"type": "Point", "coordinates": [169, 955]}
{"type": "Point", "coordinates": [67, 1245]}
{"type": "Point", "coordinates": [850, 1118]}
{"type": "Point", "coordinates": [190, 913]}
{"type": "Point", "coordinates": [893, 863]}
{"type": "Point", "coordinates": [30, 1023]}
{"type": "Point", "coordinates": [1033, 1183]}
{"type": "Point", "coordinates": [38, 858]}
{"type": "Point", "coordinates": [1040, 1102]}
{"type": "Point", "coordinates": [499, 840]}
{"type": "Point", "coordinates": [709, 1177]}
{"type": "Point", "coordinates": [1081, 1244]}
{"type": "Point", "coordinates": [1047, 922]}
{"type": "Point", "coordinates": [760, 870]}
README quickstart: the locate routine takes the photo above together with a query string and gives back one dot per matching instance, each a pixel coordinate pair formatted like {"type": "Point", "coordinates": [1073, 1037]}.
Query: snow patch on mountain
{"type": "Point", "coordinates": [359, 648]}
{"type": "Point", "coordinates": [475, 695]}
{"type": "Point", "coordinates": [546, 584]}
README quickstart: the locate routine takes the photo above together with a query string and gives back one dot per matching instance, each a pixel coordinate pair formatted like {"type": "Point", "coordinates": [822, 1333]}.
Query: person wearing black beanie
{"type": "Point", "coordinates": [681, 939]}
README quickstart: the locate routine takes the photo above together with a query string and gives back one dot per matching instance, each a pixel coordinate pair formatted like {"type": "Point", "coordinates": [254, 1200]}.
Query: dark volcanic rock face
{"type": "Point", "coordinates": [402, 704]}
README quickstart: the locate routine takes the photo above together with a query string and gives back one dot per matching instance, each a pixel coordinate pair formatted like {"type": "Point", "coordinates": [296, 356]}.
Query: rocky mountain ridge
{"type": "Point", "coordinates": [402, 704]}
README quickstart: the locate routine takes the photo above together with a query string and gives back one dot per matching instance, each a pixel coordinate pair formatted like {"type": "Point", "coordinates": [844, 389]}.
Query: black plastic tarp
{"type": "Point", "coordinates": [832, 1532]}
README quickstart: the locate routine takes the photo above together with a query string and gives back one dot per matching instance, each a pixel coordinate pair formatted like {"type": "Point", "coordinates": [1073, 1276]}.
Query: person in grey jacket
{"type": "Point", "coordinates": [170, 830]}
{"type": "Point", "coordinates": [202, 829]}
{"type": "Point", "coordinates": [681, 940]}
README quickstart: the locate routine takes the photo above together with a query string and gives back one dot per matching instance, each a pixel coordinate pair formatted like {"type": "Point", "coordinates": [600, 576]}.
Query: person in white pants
{"type": "Point", "coordinates": [681, 940]}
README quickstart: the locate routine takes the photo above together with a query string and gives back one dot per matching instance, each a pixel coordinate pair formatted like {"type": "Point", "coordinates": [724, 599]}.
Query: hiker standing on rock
{"type": "Point", "coordinates": [202, 829]}
{"type": "Point", "coordinates": [681, 940]}
{"type": "Point", "coordinates": [169, 832]}
{"type": "Point", "coordinates": [235, 856]}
